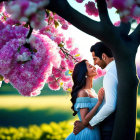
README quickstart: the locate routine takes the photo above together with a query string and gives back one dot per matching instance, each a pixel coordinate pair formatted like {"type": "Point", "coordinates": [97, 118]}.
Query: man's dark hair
{"type": "Point", "coordinates": [99, 48]}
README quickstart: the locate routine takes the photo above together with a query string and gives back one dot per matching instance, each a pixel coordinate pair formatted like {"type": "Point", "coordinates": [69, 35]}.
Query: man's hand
{"type": "Point", "coordinates": [78, 126]}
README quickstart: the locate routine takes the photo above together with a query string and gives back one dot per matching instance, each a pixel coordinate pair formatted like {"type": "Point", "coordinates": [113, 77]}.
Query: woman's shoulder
{"type": "Point", "coordinates": [82, 93]}
{"type": "Point", "coordinates": [83, 97]}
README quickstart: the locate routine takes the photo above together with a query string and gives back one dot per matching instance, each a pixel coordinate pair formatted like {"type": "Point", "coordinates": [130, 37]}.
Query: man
{"type": "Point", "coordinates": [103, 57]}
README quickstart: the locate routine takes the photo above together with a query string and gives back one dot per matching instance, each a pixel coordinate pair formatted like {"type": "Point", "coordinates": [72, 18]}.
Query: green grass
{"type": "Point", "coordinates": [22, 111]}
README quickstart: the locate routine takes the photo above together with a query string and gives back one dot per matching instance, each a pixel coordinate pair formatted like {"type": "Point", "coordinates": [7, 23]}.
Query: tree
{"type": "Point", "coordinates": [124, 47]}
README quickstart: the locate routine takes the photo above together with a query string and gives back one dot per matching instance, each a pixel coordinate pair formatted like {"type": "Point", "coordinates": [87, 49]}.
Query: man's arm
{"type": "Point", "coordinates": [110, 86]}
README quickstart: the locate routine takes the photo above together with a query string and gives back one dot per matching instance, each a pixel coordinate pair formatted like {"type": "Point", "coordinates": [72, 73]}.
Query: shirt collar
{"type": "Point", "coordinates": [111, 64]}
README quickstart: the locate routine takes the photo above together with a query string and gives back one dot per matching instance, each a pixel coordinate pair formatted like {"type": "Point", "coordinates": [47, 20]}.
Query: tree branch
{"type": "Point", "coordinates": [125, 28]}
{"type": "Point", "coordinates": [103, 13]}
{"type": "Point", "coordinates": [27, 44]}
{"type": "Point", "coordinates": [135, 35]}
{"type": "Point", "coordinates": [77, 19]}
{"type": "Point", "coordinates": [30, 31]}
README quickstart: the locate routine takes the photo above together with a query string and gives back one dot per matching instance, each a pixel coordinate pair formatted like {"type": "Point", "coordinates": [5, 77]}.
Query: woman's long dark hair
{"type": "Point", "coordinates": [79, 80]}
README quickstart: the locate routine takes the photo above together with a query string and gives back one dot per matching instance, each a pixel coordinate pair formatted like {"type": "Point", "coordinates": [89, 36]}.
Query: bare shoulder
{"type": "Point", "coordinates": [82, 93]}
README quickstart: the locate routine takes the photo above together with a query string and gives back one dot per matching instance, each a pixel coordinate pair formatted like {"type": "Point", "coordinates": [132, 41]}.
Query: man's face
{"type": "Point", "coordinates": [97, 61]}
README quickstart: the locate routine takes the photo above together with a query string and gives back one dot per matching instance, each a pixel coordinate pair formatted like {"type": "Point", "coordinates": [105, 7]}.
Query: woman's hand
{"type": "Point", "coordinates": [101, 95]}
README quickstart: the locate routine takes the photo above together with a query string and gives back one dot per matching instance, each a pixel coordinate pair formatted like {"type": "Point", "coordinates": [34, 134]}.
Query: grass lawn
{"type": "Point", "coordinates": [33, 103]}
{"type": "Point", "coordinates": [22, 111]}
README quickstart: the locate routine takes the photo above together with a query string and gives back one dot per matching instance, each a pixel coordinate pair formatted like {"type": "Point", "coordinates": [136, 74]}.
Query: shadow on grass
{"type": "Point", "coordinates": [25, 117]}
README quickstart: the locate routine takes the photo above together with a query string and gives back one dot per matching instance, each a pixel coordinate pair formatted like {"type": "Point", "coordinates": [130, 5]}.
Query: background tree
{"type": "Point", "coordinates": [124, 47]}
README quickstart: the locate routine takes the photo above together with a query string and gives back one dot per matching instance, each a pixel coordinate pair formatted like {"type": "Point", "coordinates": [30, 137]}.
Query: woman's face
{"type": "Point", "coordinates": [91, 70]}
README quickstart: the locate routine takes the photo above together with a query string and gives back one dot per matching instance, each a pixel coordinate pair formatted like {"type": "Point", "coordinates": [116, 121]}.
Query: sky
{"type": "Point", "coordinates": [84, 41]}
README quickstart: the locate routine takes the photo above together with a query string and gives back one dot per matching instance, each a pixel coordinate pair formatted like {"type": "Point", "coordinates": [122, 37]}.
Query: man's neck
{"type": "Point", "coordinates": [110, 60]}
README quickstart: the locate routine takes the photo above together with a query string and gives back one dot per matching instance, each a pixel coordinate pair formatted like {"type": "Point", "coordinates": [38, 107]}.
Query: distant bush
{"type": "Point", "coordinates": [52, 131]}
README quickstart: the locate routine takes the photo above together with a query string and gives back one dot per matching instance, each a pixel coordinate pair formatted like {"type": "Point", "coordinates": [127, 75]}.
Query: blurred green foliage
{"type": "Point", "coordinates": [8, 89]}
{"type": "Point", "coordinates": [52, 131]}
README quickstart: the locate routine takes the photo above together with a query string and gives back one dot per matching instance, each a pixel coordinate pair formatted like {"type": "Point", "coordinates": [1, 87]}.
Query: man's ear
{"type": "Point", "coordinates": [104, 56]}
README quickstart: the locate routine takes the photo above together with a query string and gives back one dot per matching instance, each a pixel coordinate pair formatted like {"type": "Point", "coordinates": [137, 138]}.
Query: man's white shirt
{"type": "Point", "coordinates": [110, 83]}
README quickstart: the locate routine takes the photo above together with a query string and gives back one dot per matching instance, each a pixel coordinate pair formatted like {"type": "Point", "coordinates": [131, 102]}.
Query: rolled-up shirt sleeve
{"type": "Point", "coordinates": [110, 85]}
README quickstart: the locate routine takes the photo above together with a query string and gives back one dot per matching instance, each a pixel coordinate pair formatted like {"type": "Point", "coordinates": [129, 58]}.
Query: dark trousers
{"type": "Point", "coordinates": [106, 127]}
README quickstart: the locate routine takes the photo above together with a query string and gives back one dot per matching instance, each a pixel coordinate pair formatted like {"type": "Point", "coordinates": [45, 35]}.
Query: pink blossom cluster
{"type": "Point", "coordinates": [50, 58]}
{"type": "Point", "coordinates": [126, 8]}
{"type": "Point", "coordinates": [58, 78]}
{"type": "Point", "coordinates": [91, 9]}
{"type": "Point", "coordinates": [28, 11]}
{"type": "Point", "coordinates": [100, 73]}
{"type": "Point", "coordinates": [1, 7]}
{"type": "Point", "coordinates": [69, 55]}
{"type": "Point", "coordinates": [56, 20]}
{"type": "Point", "coordinates": [8, 32]}
{"type": "Point", "coordinates": [26, 70]}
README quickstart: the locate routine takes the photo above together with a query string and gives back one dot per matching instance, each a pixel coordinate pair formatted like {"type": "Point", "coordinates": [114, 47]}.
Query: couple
{"type": "Point", "coordinates": [96, 112]}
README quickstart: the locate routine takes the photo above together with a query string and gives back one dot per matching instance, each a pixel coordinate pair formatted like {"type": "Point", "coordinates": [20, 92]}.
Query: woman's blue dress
{"type": "Point", "coordinates": [86, 133]}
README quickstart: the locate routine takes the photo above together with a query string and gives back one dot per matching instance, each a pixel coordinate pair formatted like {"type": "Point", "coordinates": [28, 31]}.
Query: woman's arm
{"type": "Point", "coordinates": [86, 116]}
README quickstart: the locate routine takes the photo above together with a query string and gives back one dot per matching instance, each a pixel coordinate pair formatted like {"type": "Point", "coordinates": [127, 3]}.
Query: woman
{"type": "Point", "coordinates": [84, 100]}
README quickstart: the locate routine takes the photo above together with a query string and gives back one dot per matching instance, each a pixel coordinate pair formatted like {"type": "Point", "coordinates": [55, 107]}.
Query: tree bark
{"type": "Point", "coordinates": [124, 48]}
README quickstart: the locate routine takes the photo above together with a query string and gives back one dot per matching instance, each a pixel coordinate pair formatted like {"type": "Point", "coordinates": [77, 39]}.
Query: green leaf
{"type": "Point", "coordinates": [61, 45]}
{"type": "Point", "coordinates": [56, 23]}
{"type": "Point", "coordinates": [19, 49]}
{"type": "Point", "coordinates": [50, 20]}
{"type": "Point", "coordinates": [1, 78]}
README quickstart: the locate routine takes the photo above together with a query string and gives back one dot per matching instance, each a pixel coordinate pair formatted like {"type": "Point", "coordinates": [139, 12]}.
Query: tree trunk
{"type": "Point", "coordinates": [125, 119]}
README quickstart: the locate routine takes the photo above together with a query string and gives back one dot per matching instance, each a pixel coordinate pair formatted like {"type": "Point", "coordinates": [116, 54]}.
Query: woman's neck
{"type": "Point", "coordinates": [89, 83]}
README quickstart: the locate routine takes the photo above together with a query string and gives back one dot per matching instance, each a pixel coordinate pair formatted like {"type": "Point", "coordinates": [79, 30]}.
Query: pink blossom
{"type": "Point", "coordinates": [69, 43]}
{"type": "Point", "coordinates": [54, 85]}
{"type": "Point", "coordinates": [68, 85]}
{"type": "Point", "coordinates": [51, 79]}
{"type": "Point", "coordinates": [65, 26]}
{"type": "Point", "coordinates": [56, 72]}
{"type": "Point", "coordinates": [74, 51]}
{"type": "Point", "coordinates": [63, 66]}
{"type": "Point", "coordinates": [58, 40]}
{"type": "Point", "coordinates": [65, 78]}
{"type": "Point", "coordinates": [91, 9]}
{"type": "Point", "coordinates": [79, 1]}
{"type": "Point", "coordinates": [6, 81]}
{"type": "Point", "coordinates": [70, 64]}
{"type": "Point", "coordinates": [1, 7]}
{"type": "Point", "coordinates": [117, 23]}
{"type": "Point", "coordinates": [100, 73]}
